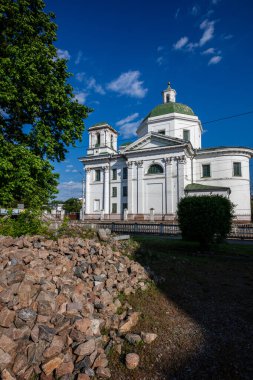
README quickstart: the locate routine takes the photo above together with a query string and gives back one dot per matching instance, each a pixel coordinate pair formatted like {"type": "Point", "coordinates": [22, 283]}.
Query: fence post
{"type": "Point", "coordinates": [161, 229]}
{"type": "Point", "coordinates": [135, 227]}
{"type": "Point", "coordinates": [113, 226]}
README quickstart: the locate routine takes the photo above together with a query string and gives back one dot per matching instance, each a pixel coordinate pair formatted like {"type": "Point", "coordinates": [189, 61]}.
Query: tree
{"type": "Point", "coordinates": [39, 116]}
{"type": "Point", "coordinates": [24, 177]}
{"type": "Point", "coordinates": [72, 205]}
{"type": "Point", "coordinates": [37, 105]}
{"type": "Point", "coordinates": [205, 218]}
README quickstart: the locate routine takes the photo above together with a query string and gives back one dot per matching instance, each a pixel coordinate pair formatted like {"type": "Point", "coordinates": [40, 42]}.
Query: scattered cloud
{"type": "Point", "coordinates": [69, 166]}
{"type": "Point", "coordinates": [63, 54]}
{"type": "Point", "coordinates": [80, 96]}
{"type": "Point", "coordinates": [127, 119]}
{"type": "Point", "coordinates": [208, 51]}
{"type": "Point", "coordinates": [195, 10]}
{"type": "Point", "coordinates": [215, 1]}
{"type": "Point", "coordinates": [160, 60]}
{"type": "Point", "coordinates": [90, 83]}
{"type": "Point", "coordinates": [177, 13]}
{"type": "Point", "coordinates": [69, 189]}
{"type": "Point", "coordinates": [160, 48]}
{"type": "Point", "coordinates": [128, 84]}
{"type": "Point", "coordinates": [208, 27]}
{"type": "Point", "coordinates": [128, 126]}
{"type": "Point", "coordinates": [79, 57]}
{"type": "Point", "coordinates": [228, 36]}
{"type": "Point", "coordinates": [214, 60]}
{"type": "Point", "coordinates": [181, 43]}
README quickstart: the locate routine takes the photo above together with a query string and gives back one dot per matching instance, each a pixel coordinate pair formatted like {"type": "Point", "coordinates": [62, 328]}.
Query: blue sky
{"type": "Point", "coordinates": [122, 54]}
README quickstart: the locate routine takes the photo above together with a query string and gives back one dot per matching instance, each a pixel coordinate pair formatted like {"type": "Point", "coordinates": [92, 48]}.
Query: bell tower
{"type": "Point", "coordinates": [169, 95]}
{"type": "Point", "coordinates": [102, 139]}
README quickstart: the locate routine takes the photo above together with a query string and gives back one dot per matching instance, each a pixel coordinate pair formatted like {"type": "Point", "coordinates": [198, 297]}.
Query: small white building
{"type": "Point", "coordinates": [145, 180]}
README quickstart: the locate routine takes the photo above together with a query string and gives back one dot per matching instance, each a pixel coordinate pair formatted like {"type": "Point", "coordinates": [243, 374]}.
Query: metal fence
{"type": "Point", "coordinates": [244, 231]}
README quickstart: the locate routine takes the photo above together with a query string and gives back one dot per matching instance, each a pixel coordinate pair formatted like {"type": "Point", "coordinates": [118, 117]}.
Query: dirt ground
{"type": "Point", "coordinates": [202, 310]}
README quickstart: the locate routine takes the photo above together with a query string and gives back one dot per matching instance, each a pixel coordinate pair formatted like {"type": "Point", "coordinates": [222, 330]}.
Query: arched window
{"type": "Point", "coordinates": [98, 140]}
{"type": "Point", "coordinates": [155, 169]}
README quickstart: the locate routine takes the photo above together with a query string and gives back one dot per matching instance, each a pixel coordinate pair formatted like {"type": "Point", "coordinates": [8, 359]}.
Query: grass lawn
{"type": "Point", "coordinates": [201, 308]}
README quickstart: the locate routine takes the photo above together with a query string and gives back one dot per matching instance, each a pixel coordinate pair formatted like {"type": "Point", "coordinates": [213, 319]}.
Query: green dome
{"type": "Point", "coordinates": [163, 109]}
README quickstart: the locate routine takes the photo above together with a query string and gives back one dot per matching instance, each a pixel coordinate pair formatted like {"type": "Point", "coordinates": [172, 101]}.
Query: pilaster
{"type": "Point", "coordinates": [87, 191]}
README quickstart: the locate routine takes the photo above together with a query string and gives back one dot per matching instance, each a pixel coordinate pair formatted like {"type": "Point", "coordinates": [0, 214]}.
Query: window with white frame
{"type": "Point", "coordinates": [206, 170]}
{"type": "Point", "coordinates": [237, 169]}
{"type": "Point", "coordinates": [97, 175]}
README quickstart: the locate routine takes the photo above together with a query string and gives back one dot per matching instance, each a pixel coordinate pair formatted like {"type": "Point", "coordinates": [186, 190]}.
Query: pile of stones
{"type": "Point", "coordinates": [61, 306]}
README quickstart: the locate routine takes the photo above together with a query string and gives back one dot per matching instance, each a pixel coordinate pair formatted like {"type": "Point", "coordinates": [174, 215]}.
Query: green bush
{"type": "Point", "coordinates": [27, 222]}
{"type": "Point", "coordinates": [205, 219]}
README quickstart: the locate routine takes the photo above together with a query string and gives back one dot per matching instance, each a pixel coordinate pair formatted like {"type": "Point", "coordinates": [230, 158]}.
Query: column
{"type": "Point", "coordinates": [181, 174]}
{"type": "Point", "coordinates": [87, 191]}
{"type": "Point", "coordinates": [168, 185]}
{"type": "Point", "coordinates": [140, 192]}
{"type": "Point", "coordinates": [130, 187]}
{"type": "Point", "coordinates": [106, 190]}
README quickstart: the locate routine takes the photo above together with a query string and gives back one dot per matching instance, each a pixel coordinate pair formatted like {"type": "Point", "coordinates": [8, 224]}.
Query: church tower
{"type": "Point", "coordinates": [169, 95]}
{"type": "Point", "coordinates": [102, 139]}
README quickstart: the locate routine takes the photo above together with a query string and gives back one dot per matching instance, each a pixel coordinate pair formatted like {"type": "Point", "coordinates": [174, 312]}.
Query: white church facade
{"type": "Point", "coordinates": [145, 180]}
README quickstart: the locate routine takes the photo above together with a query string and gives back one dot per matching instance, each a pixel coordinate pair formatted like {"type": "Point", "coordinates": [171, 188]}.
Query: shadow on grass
{"type": "Point", "coordinates": [201, 308]}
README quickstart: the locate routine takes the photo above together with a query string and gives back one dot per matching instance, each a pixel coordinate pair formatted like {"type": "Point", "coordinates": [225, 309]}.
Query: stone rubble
{"type": "Point", "coordinates": [60, 312]}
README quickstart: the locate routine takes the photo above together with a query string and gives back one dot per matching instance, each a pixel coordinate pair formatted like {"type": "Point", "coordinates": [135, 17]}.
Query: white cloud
{"type": "Point", "coordinates": [181, 43]}
{"type": "Point", "coordinates": [90, 83]}
{"type": "Point", "coordinates": [215, 1]}
{"type": "Point", "coordinates": [69, 166]}
{"type": "Point", "coordinates": [127, 119]}
{"type": "Point", "coordinates": [160, 48]}
{"type": "Point", "coordinates": [128, 84]}
{"type": "Point", "coordinates": [129, 129]}
{"type": "Point", "coordinates": [69, 189]}
{"type": "Point", "coordinates": [177, 13]}
{"type": "Point", "coordinates": [191, 46]}
{"type": "Point", "coordinates": [208, 27]}
{"type": "Point", "coordinates": [214, 60]}
{"type": "Point", "coordinates": [208, 51]}
{"type": "Point", "coordinates": [228, 37]}
{"type": "Point", "coordinates": [80, 96]}
{"type": "Point", "coordinates": [160, 60]}
{"type": "Point", "coordinates": [195, 10]}
{"type": "Point", "coordinates": [70, 184]}
{"type": "Point", "coordinates": [63, 54]}
{"type": "Point", "coordinates": [79, 57]}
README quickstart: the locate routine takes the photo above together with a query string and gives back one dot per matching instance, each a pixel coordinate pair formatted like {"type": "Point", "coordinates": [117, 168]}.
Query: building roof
{"type": "Point", "coordinates": [171, 107]}
{"type": "Point", "coordinates": [199, 187]}
{"type": "Point", "coordinates": [102, 124]}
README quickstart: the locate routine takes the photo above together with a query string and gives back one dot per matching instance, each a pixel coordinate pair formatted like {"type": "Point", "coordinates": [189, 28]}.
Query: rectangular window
{"type": "Point", "coordinates": [124, 173]}
{"type": "Point", "coordinates": [186, 135]}
{"type": "Point", "coordinates": [206, 170]}
{"type": "Point", "coordinates": [162, 132]}
{"type": "Point", "coordinates": [124, 191]}
{"type": "Point", "coordinates": [114, 208]}
{"type": "Point", "coordinates": [96, 205]}
{"type": "Point", "coordinates": [114, 174]}
{"type": "Point", "coordinates": [124, 206]}
{"type": "Point", "coordinates": [237, 169]}
{"type": "Point", "coordinates": [114, 191]}
{"type": "Point", "coordinates": [97, 175]}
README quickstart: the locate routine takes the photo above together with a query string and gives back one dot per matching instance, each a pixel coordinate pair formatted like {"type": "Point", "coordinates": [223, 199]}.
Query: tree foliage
{"type": "Point", "coordinates": [39, 116]}
{"type": "Point", "coordinates": [72, 205]}
{"type": "Point", "coordinates": [205, 218]}
{"type": "Point", "coordinates": [24, 177]}
{"type": "Point", "coordinates": [37, 105]}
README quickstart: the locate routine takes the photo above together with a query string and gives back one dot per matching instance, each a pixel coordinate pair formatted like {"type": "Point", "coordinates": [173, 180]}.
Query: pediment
{"type": "Point", "coordinates": [152, 141]}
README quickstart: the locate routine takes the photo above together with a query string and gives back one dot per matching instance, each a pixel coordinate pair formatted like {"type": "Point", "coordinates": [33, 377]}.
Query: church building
{"type": "Point", "coordinates": [145, 180]}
